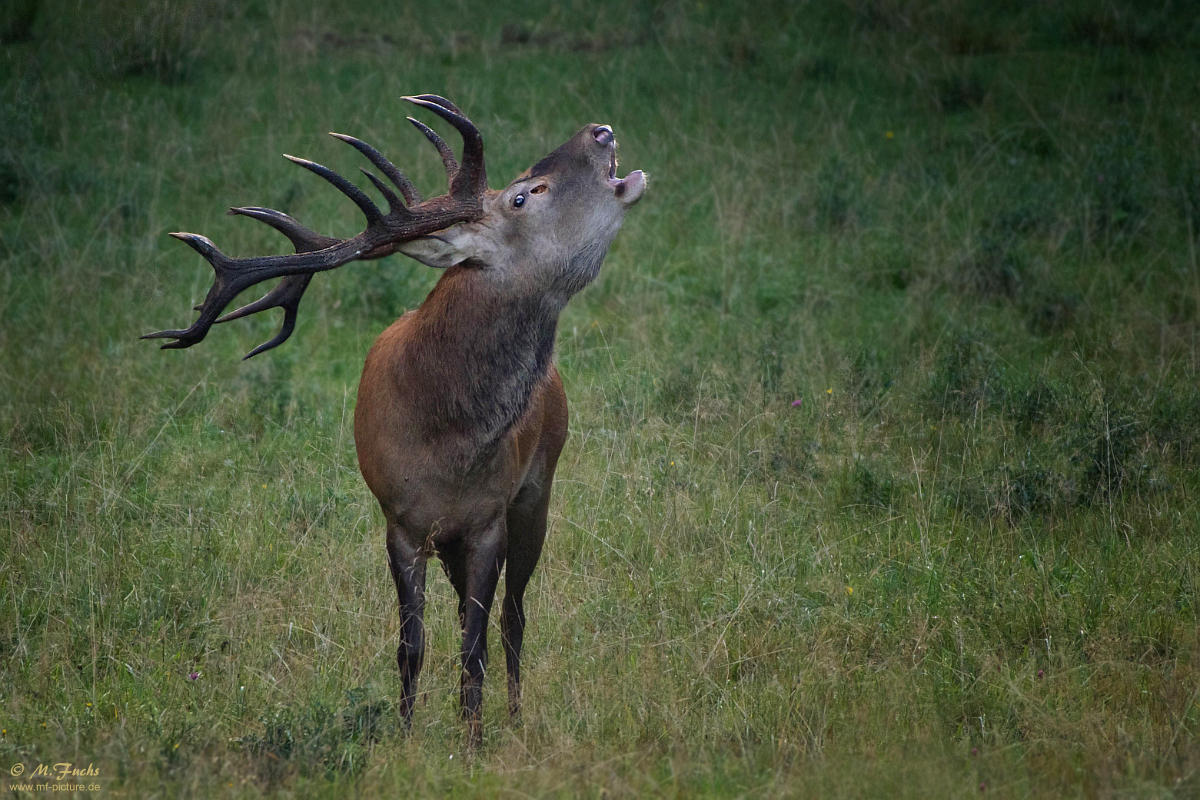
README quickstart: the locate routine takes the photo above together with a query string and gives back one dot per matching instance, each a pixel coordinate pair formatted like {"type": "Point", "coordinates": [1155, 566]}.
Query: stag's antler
{"type": "Point", "coordinates": [405, 220]}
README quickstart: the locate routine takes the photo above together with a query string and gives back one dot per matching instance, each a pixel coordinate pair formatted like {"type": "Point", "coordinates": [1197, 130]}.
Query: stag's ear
{"type": "Point", "coordinates": [448, 247]}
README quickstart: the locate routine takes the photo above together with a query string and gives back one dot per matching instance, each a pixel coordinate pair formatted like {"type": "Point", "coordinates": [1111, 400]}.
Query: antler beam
{"type": "Point", "coordinates": [406, 219]}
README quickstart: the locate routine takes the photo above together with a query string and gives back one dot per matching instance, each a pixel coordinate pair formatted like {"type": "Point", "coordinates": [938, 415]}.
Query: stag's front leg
{"type": "Point", "coordinates": [485, 559]}
{"type": "Point", "coordinates": [526, 534]}
{"type": "Point", "coordinates": [408, 571]}
{"type": "Point", "coordinates": [454, 562]}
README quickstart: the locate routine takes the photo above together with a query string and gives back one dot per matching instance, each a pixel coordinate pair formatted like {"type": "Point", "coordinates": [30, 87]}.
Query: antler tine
{"type": "Point", "coordinates": [305, 239]}
{"type": "Point", "coordinates": [448, 159]}
{"type": "Point", "coordinates": [471, 176]}
{"type": "Point", "coordinates": [271, 299]}
{"type": "Point", "coordinates": [368, 207]}
{"type": "Point", "coordinates": [441, 101]}
{"type": "Point", "coordinates": [393, 201]}
{"type": "Point", "coordinates": [411, 195]}
{"type": "Point", "coordinates": [286, 295]}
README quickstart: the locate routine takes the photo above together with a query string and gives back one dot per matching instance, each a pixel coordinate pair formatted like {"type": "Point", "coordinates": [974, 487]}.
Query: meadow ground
{"type": "Point", "coordinates": [882, 476]}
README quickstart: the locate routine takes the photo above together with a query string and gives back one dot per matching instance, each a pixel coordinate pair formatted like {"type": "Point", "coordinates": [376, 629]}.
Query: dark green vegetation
{"type": "Point", "coordinates": [964, 235]}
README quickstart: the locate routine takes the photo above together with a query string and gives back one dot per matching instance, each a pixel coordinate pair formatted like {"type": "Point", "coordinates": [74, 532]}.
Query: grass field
{"type": "Point", "coordinates": [885, 429]}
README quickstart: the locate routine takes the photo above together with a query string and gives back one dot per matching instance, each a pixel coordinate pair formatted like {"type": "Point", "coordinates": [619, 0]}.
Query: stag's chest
{"type": "Point", "coordinates": [445, 447]}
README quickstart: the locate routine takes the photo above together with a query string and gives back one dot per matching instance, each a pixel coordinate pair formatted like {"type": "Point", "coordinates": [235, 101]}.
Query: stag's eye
{"type": "Point", "coordinates": [519, 201]}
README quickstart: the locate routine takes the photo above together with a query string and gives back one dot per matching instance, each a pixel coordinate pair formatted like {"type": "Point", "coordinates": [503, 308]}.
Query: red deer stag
{"type": "Point", "coordinates": [461, 413]}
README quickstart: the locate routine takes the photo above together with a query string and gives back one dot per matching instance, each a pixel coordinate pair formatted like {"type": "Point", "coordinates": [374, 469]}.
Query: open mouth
{"type": "Point", "coordinates": [628, 189]}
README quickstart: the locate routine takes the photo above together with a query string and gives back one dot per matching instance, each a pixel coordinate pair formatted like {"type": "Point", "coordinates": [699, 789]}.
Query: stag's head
{"type": "Point", "coordinates": [546, 233]}
{"type": "Point", "coordinates": [549, 229]}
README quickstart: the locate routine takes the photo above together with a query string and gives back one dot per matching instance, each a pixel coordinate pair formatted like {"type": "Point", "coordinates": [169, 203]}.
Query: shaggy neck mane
{"type": "Point", "coordinates": [481, 353]}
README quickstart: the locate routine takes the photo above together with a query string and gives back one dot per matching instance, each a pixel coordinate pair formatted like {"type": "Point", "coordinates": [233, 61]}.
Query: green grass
{"type": "Point", "coordinates": [962, 234]}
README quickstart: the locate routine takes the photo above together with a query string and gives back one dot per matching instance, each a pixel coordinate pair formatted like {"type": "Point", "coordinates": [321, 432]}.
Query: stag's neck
{"type": "Point", "coordinates": [480, 351]}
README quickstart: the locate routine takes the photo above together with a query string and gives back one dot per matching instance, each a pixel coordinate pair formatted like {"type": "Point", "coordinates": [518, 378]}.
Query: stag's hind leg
{"type": "Point", "coordinates": [408, 571]}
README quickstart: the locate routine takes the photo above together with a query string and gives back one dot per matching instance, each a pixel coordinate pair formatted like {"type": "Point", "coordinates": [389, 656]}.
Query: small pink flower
{"type": "Point", "coordinates": [193, 676]}
{"type": "Point", "coordinates": [1041, 674]}
{"type": "Point", "coordinates": [798, 402]}
{"type": "Point", "coordinates": [974, 751]}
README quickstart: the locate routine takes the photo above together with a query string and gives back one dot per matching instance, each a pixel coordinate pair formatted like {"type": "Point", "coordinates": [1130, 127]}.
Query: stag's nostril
{"type": "Point", "coordinates": [603, 134]}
